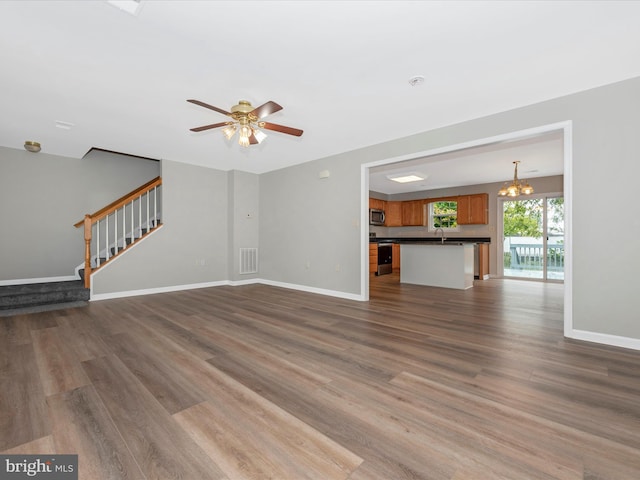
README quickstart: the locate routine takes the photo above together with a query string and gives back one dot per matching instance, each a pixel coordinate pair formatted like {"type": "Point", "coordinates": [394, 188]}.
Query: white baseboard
{"type": "Point", "coordinates": [153, 291]}
{"type": "Point", "coordinates": [320, 291]}
{"type": "Point", "coordinates": [234, 283]}
{"type": "Point", "coordinates": [604, 338]}
{"type": "Point", "coordinates": [24, 281]}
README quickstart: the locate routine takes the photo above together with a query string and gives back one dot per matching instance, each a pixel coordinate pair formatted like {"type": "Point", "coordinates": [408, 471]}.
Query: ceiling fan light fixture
{"type": "Point", "coordinates": [245, 133]}
{"type": "Point", "coordinates": [259, 135]}
{"type": "Point", "coordinates": [247, 121]}
{"type": "Point", "coordinates": [229, 131]}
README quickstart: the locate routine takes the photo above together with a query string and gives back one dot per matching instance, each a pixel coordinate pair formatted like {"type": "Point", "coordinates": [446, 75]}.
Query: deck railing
{"type": "Point", "coordinates": [531, 257]}
{"type": "Point", "coordinates": [119, 225]}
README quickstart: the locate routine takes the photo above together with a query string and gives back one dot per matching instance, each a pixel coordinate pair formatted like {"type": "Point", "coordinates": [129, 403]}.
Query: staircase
{"type": "Point", "coordinates": [39, 297]}
{"type": "Point", "coordinates": [113, 229]}
{"type": "Point", "coordinates": [108, 233]}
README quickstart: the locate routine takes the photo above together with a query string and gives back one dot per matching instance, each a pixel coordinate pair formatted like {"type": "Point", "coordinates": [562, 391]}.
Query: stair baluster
{"type": "Point", "coordinates": [97, 244]}
{"type": "Point", "coordinates": [124, 226]}
{"type": "Point", "coordinates": [106, 229]}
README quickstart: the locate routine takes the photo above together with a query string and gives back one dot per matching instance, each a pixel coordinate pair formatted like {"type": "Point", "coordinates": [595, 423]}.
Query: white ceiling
{"type": "Point", "coordinates": [340, 70]}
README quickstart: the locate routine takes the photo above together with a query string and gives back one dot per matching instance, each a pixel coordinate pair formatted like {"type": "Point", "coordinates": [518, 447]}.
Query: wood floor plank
{"type": "Point", "coordinates": [42, 445]}
{"type": "Point", "coordinates": [147, 362]}
{"type": "Point", "coordinates": [80, 337]}
{"type": "Point", "coordinates": [15, 330]}
{"type": "Point", "coordinates": [59, 368]}
{"type": "Point", "coordinates": [82, 426]}
{"type": "Point", "coordinates": [23, 415]}
{"type": "Point", "coordinates": [243, 448]}
{"type": "Point", "coordinates": [264, 424]}
{"type": "Point", "coordinates": [159, 446]}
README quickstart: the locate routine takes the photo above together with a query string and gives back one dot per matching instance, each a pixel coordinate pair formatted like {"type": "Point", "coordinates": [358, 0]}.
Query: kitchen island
{"type": "Point", "coordinates": [448, 265]}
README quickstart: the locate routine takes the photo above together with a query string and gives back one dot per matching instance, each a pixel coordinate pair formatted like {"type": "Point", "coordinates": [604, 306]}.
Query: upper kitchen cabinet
{"type": "Point", "coordinates": [413, 213]}
{"type": "Point", "coordinates": [473, 209]}
{"type": "Point", "coordinates": [376, 203]}
{"type": "Point", "coordinates": [393, 214]}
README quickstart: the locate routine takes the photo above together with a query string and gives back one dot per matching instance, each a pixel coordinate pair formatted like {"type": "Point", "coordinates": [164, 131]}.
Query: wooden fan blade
{"type": "Point", "coordinates": [266, 109]}
{"type": "Point", "coordinates": [211, 107]}
{"type": "Point", "coordinates": [253, 140]}
{"type": "Point", "coordinates": [281, 128]}
{"type": "Point", "coordinates": [207, 127]}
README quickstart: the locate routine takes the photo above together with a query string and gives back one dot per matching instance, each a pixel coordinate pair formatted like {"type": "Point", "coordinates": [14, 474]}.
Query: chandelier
{"type": "Point", "coordinates": [517, 187]}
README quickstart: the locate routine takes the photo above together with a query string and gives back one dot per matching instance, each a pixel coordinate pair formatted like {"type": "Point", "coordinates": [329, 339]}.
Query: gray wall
{"type": "Point", "coordinates": [42, 196]}
{"type": "Point", "coordinates": [314, 222]}
{"type": "Point", "coordinates": [192, 246]}
{"type": "Point", "coordinates": [310, 226]}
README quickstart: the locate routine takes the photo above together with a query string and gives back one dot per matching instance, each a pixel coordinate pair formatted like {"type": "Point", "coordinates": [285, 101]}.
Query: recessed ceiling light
{"type": "Point", "coordinates": [64, 125]}
{"type": "Point", "coordinates": [406, 177]}
{"type": "Point", "coordinates": [129, 6]}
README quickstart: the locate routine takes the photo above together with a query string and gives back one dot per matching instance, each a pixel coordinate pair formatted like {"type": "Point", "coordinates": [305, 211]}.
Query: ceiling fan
{"type": "Point", "coordinates": [247, 120]}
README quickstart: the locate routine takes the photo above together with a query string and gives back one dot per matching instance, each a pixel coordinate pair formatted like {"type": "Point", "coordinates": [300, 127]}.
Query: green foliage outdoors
{"type": "Point", "coordinates": [523, 218]}
{"type": "Point", "coordinates": [445, 214]}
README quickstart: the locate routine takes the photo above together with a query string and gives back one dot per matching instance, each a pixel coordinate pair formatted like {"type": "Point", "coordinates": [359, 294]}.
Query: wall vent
{"type": "Point", "coordinates": [248, 260]}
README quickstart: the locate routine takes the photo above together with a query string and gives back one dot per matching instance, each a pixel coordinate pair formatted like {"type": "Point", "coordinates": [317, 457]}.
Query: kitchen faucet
{"type": "Point", "coordinates": [441, 234]}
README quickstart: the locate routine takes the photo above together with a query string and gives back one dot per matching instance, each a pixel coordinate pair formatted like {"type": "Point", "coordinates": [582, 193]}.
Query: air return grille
{"type": "Point", "coordinates": [248, 260]}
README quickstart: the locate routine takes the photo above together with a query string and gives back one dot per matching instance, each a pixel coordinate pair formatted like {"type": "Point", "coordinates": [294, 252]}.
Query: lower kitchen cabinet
{"type": "Point", "coordinates": [483, 261]}
{"type": "Point", "coordinates": [373, 258]}
{"type": "Point", "coordinates": [395, 260]}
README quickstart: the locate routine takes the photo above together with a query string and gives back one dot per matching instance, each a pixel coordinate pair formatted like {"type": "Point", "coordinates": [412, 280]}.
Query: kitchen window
{"type": "Point", "coordinates": [443, 215]}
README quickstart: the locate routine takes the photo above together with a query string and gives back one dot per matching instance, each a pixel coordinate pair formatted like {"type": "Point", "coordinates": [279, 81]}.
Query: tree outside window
{"type": "Point", "coordinates": [443, 215]}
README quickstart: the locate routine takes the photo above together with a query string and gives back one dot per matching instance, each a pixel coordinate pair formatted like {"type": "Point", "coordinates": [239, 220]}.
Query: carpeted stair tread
{"type": "Point", "coordinates": [35, 294]}
{"type": "Point", "coordinates": [41, 308]}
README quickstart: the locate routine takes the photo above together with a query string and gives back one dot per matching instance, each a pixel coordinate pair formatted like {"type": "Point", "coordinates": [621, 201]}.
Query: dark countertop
{"type": "Point", "coordinates": [429, 239]}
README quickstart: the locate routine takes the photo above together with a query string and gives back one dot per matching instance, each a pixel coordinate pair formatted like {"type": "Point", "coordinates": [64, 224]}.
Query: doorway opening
{"type": "Point", "coordinates": [566, 129]}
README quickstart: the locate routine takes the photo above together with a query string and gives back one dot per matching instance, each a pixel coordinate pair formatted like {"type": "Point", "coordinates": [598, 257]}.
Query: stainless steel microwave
{"type": "Point", "coordinates": [376, 217]}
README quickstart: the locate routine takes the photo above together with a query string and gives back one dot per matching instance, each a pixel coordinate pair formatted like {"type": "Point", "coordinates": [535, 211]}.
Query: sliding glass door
{"type": "Point", "coordinates": [533, 233]}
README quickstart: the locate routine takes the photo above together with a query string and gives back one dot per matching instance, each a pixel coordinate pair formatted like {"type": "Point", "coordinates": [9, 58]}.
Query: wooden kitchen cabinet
{"type": "Point", "coordinates": [393, 214]}
{"type": "Point", "coordinates": [413, 213]}
{"type": "Point", "coordinates": [376, 203]}
{"type": "Point", "coordinates": [395, 259]}
{"type": "Point", "coordinates": [373, 258]}
{"type": "Point", "coordinates": [483, 261]}
{"type": "Point", "coordinates": [473, 209]}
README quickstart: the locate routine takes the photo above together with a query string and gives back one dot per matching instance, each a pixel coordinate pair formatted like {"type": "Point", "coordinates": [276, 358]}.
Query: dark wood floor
{"type": "Point", "coordinates": [255, 382]}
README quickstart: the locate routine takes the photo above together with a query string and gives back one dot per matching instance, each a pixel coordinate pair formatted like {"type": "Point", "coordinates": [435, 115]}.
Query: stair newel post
{"type": "Point", "coordinates": [87, 251]}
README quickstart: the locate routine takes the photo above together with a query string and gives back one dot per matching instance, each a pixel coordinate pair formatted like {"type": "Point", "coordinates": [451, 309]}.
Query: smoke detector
{"type": "Point", "coordinates": [417, 80]}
